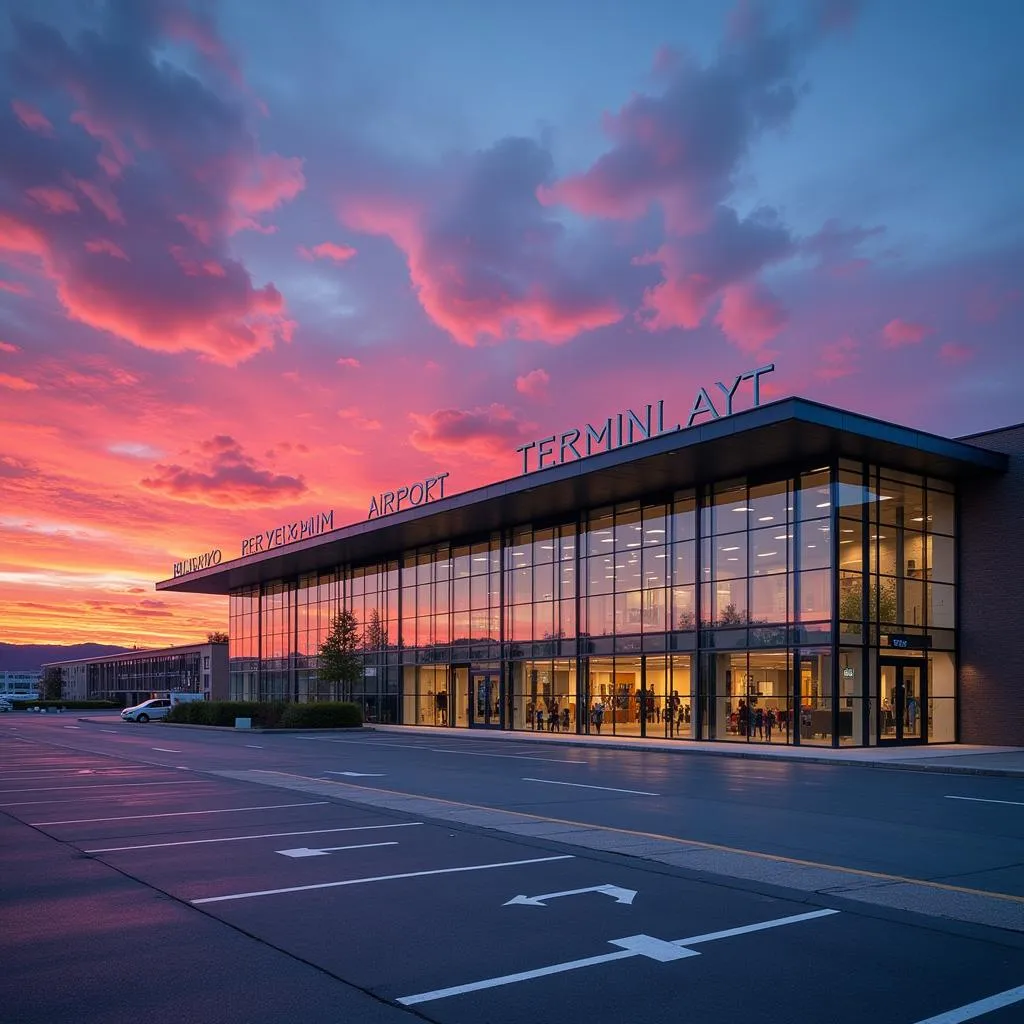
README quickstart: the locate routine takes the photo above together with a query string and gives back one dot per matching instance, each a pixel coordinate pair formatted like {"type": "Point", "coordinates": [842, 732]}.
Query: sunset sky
{"type": "Point", "coordinates": [263, 259]}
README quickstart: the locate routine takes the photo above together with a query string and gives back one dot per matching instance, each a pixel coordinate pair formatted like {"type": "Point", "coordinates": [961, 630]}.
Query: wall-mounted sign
{"type": "Point", "coordinates": [288, 533]}
{"type": "Point", "coordinates": [187, 565]}
{"type": "Point", "coordinates": [628, 427]}
{"type": "Point", "coordinates": [415, 494]}
{"type": "Point", "coordinates": [905, 642]}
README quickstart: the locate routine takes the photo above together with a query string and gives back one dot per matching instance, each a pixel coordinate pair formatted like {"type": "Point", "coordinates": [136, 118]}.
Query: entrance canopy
{"type": "Point", "coordinates": [786, 433]}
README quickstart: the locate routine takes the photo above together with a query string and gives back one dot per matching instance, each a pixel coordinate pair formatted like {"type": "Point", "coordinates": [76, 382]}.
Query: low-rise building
{"type": "Point", "coordinates": [137, 675]}
{"type": "Point", "coordinates": [19, 685]}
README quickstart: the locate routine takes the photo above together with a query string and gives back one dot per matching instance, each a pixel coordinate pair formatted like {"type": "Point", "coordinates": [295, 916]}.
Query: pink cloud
{"type": "Point", "coordinates": [328, 251]}
{"type": "Point", "coordinates": [53, 199]}
{"type": "Point", "coordinates": [31, 117]}
{"type": "Point", "coordinates": [750, 316]}
{"type": "Point", "coordinates": [268, 182]}
{"type": "Point", "coordinates": [103, 199]}
{"type": "Point", "coordinates": [954, 354]}
{"type": "Point", "coordinates": [14, 287]}
{"type": "Point", "coordinates": [904, 332]}
{"type": "Point", "coordinates": [349, 361]}
{"type": "Point", "coordinates": [16, 383]}
{"type": "Point", "coordinates": [534, 384]}
{"type": "Point", "coordinates": [487, 261]}
{"type": "Point", "coordinates": [114, 155]}
{"type": "Point", "coordinates": [357, 419]}
{"type": "Point", "coordinates": [838, 359]}
{"type": "Point", "coordinates": [482, 433]}
{"type": "Point", "coordinates": [987, 303]}
{"type": "Point", "coordinates": [105, 245]}
{"type": "Point", "coordinates": [6, 346]}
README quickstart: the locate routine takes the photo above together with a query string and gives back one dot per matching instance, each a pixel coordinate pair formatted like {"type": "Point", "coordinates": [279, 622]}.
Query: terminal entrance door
{"type": "Point", "coordinates": [903, 700]}
{"type": "Point", "coordinates": [485, 701]}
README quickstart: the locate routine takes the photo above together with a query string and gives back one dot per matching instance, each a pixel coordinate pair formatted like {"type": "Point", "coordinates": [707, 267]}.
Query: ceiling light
{"type": "Point", "coordinates": [765, 519]}
{"type": "Point", "coordinates": [735, 548]}
{"type": "Point", "coordinates": [823, 504]}
{"type": "Point", "coordinates": [742, 508]}
{"type": "Point", "coordinates": [783, 536]}
{"type": "Point", "coordinates": [768, 554]}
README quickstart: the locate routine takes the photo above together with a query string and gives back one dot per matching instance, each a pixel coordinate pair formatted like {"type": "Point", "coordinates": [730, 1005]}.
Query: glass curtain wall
{"type": "Point", "coordinates": [752, 611]}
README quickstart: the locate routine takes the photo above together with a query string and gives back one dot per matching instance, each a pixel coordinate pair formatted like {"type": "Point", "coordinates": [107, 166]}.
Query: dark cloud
{"type": "Point", "coordinates": [228, 478]}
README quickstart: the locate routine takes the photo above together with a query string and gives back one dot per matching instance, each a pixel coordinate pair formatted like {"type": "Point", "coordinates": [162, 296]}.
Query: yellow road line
{"type": "Point", "coordinates": [860, 872]}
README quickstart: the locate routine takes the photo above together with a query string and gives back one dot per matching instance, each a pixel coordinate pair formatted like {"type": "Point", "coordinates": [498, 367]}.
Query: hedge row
{"type": "Point", "coordinates": [269, 714]}
{"type": "Point", "coordinates": [67, 705]}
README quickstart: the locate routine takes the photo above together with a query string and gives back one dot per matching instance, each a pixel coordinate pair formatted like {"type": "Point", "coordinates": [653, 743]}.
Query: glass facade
{"type": "Point", "coordinates": [815, 607]}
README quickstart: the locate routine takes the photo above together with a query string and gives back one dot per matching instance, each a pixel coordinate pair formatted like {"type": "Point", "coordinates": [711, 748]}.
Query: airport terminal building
{"type": "Point", "coordinates": [789, 573]}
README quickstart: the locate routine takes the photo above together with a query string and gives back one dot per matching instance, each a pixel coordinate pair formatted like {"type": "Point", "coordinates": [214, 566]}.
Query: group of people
{"type": "Point", "coordinates": [548, 713]}
{"type": "Point", "coordinates": [759, 721]}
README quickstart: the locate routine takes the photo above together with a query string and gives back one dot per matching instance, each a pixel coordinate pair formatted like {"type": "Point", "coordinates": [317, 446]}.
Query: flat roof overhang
{"type": "Point", "coordinates": [778, 434]}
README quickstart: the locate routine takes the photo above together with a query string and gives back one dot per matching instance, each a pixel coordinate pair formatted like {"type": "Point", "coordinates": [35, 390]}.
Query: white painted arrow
{"type": "Point", "coordinates": [359, 775]}
{"type": "Point", "coordinates": [305, 851]}
{"type": "Point", "coordinates": [621, 896]}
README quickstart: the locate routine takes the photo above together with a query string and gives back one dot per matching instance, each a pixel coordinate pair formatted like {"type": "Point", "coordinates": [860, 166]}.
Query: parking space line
{"type": "Point", "coordinates": [982, 800]}
{"type": "Point", "coordinates": [976, 1009]}
{"type": "Point", "coordinates": [178, 814]}
{"type": "Point", "coordinates": [380, 878]}
{"type": "Point", "coordinates": [580, 785]}
{"type": "Point", "coordinates": [111, 785]}
{"type": "Point", "coordinates": [255, 746]}
{"type": "Point", "coordinates": [638, 944]}
{"type": "Point", "coordinates": [511, 757]}
{"type": "Point", "coordinates": [266, 835]}
{"type": "Point", "coordinates": [166, 750]}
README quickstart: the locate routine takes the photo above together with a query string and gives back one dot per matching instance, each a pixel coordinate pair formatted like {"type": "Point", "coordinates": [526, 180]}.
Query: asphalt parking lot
{"type": "Point", "coordinates": [165, 893]}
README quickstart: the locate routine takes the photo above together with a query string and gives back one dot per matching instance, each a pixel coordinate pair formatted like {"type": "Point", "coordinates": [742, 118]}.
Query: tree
{"type": "Point", "coordinates": [375, 638]}
{"type": "Point", "coordinates": [51, 686]}
{"type": "Point", "coordinates": [217, 637]}
{"type": "Point", "coordinates": [340, 664]}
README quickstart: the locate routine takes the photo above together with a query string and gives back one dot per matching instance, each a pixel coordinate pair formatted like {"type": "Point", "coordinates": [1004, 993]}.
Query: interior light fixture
{"type": "Point", "coordinates": [735, 548]}
{"type": "Point", "coordinates": [823, 504]}
{"type": "Point", "coordinates": [765, 519]}
{"type": "Point", "coordinates": [743, 508]}
{"type": "Point", "coordinates": [768, 554]}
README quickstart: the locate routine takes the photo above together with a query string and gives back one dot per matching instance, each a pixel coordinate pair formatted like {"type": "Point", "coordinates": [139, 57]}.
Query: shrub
{"type": "Point", "coordinates": [264, 714]}
{"type": "Point", "coordinates": [322, 715]}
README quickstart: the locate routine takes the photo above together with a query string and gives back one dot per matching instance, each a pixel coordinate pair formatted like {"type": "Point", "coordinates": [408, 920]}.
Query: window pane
{"type": "Point", "coordinates": [655, 523]}
{"type": "Point", "coordinates": [730, 602]}
{"type": "Point", "coordinates": [768, 599]}
{"type": "Point", "coordinates": [628, 531]}
{"type": "Point", "coordinates": [900, 504]}
{"type": "Point", "coordinates": [851, 550]}
{"type": "Point", "coordinates": [769, 504]}
{"type": "Point", "coordinates": [654, 567]}
{"type": "Point", "coordinates": [600, 574]}
{"type": "Point", "coordinates": [683, 608]}
{"type": "Point", "coordinates": [600, 615]}
{"type": "Point", "coordinates": [599, 537]}
{"type": "Point", "coordinates": [730, 556]}
{"type": "Point", "coordinates": [815, 595]}
{"type": "Point", "coordinates": [814, 499]}
{"type": "Point", "coordinates": [815, 544]}
{"type": "Point", "coordinates": [543, 546]}
{"type": "Point", "coordinates": [684, 518]}
{"type": "Point", "coordinates": [940, 512]}
{"type": "Point", "coordinates": [543, 582]}
{"type": "Point", "coordinates": [941, 606]}
{"type": "Point", "coordinates": [683, 568]}
{"type": "Point", "coordinates": [730, 510]}
{"type": "Point", "coordinates": [851, 596]}
{"type": "Point", "coordinates": [769, 550]}
{"type": "Point", "coordinates": [941, 563]}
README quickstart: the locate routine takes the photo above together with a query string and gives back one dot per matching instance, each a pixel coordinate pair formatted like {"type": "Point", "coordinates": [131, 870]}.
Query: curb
{"type": "Point", "coordinates": [680, 750]}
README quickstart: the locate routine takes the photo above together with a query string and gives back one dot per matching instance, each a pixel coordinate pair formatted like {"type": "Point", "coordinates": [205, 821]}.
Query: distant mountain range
{"type": "Point", "coordinates": [32, 657]}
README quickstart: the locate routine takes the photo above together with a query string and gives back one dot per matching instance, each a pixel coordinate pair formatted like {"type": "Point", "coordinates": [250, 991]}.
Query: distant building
{"type": "Point", "coordinates": [19, 685]}
{"type": "Point", "coordinates": [137, 675]}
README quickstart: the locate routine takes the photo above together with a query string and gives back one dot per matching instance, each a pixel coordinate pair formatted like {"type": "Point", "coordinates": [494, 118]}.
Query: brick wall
{"type": "Point", "coordinates": [992, 598]}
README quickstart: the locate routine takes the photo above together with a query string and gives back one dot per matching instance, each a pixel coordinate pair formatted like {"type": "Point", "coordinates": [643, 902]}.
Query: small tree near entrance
{"type": "Point", "coordinates": [340, 664]}
{"type": "Point", "coordinates": [51, 686]}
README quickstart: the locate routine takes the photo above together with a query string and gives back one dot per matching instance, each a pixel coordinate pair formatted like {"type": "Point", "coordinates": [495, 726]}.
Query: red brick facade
{"type": "Point", "coordinates": [992, 598]}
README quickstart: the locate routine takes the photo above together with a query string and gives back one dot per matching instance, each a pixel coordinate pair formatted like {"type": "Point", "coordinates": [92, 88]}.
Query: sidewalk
{"type": "Point", "coordinates": [959, 759]}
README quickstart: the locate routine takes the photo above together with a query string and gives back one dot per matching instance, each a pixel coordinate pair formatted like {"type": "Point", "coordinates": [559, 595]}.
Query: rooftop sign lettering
{"type": "Point", "coordinates": [206, 561]}
{"type": "Point", "coordinates": [414, 495]}
{"type": "Point", "coordinates": [629, 426]}
{"type": "Point", "coordinates": [288, 533]}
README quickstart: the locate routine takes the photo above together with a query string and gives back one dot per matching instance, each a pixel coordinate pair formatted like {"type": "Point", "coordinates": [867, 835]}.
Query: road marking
{"type": "Point", "coordinates": [358, 775]}
{"type": "Point", "coordinates": [633, 945]}
{"type": "Point", "coordinates": [621, 896]}
{"type": "Point", "coordinates": [580, 785]}
{"type": "Point", "coordinates": [112, 785]}
{"type": "Point", "coordinates": [982, 1006]}
{"type": "Point", "coordinates": [254, 746]}
{"type": "Point", "coordinates": [513, 757]}
{"type": "Point", "coordinates": [681, 840]}
{"type": "Point", "coordinates": [266, 835]}
{"type": "Point", "coordinates": [114, 731]}
{"type": "Point", "coordinates": [72, 727]}
{"type": "Point", "coordinates": [166, 750]}
{"type": "Point", "coordinates": [179, 814]}
{"type": "Point", "coordinates": [322, 851]}
{"type": "Point", "coordinates": [982, 800]}
{"type": "Point", "coordinates": [382, 878]}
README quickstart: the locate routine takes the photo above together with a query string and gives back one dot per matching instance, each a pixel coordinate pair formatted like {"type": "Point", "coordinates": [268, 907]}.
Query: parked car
{"type": "Point", "coordinates": [5, 705]}
{"type": "Point", "coordinates": [158, 707]}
